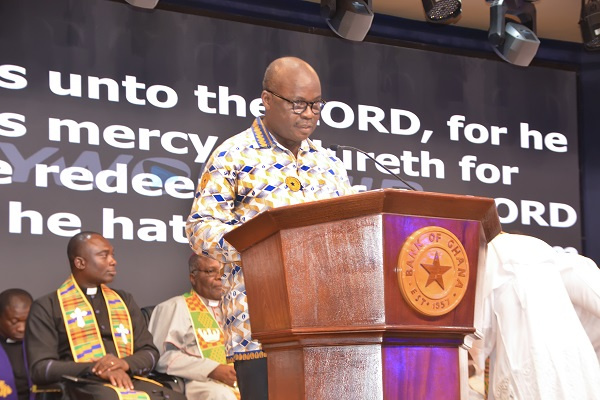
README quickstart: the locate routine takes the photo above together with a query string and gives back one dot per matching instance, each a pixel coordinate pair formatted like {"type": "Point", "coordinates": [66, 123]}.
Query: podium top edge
{"type": "Point", "coordinates": [380, 201]}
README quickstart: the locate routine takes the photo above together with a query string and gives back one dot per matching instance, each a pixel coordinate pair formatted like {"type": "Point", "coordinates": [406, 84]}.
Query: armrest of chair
{"type": "Point", "coordinates": [53, 391]}
{"type": "Point", "coordinates": [172, 382]}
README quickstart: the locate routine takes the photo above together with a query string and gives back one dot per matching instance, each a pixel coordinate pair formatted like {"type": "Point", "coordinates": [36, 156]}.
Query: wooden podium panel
{"type": "Point", "coordinates": [325, 298]}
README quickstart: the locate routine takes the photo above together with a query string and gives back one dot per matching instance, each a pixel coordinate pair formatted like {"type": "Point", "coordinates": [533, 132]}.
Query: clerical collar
{"type": "Point", "coordinates": [9, 340]}
{"type": "Point", "coordinates": [211, 303]}
{"type": "Point", "coordinates": [91, 291]}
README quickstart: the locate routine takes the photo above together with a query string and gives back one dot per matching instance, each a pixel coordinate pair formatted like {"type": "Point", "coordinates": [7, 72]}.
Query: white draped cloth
{"type": "Point", "coordinates": [537, 345]}
{"type": "Point", "coordinates": [581, 277]}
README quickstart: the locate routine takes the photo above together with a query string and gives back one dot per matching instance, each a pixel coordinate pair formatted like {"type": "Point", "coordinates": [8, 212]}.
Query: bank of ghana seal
{"type": "Point", "coordinates": [433, 271]}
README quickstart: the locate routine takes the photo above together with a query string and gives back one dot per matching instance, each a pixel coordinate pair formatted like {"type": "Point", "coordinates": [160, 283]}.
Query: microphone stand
{"type": "Point", "coordinates": [334, 147]}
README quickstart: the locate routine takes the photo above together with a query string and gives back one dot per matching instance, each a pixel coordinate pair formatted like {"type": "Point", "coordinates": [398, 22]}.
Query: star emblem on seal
{"type": "Point", "coordinates": [435, 271]}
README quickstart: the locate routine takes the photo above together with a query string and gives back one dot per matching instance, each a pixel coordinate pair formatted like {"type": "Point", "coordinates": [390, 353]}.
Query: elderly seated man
{"type": "Point", "coordinates": [187, 331]}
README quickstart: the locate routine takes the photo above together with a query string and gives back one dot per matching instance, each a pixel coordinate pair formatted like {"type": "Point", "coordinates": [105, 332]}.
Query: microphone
{"type": "Point", "coordinates": [334, 147]}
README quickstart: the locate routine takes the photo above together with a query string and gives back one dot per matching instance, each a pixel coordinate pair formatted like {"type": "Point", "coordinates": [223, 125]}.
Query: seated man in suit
{"type": "Point", "coordinates": [14, 308]}
{"type": "Point", "coordinates": [187, 331]}
{"type": "Point", "coordinates": [91, 332]}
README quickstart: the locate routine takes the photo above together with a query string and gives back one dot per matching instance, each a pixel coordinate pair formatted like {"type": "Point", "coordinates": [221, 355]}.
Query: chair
{"type": "Point", "coordinates": [147, 313]}
{"type": "Point", "coordinates": [174, 383]}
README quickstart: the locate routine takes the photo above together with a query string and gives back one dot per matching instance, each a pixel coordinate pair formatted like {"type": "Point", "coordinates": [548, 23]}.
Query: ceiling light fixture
{"type": "Point", "coordinates": [350, 19]}
{"type": "Point", "coordinates": [590, 24]}
{"type": "Point", "coordinates": [515, 42]}
{"type": "Point", "coordinates": [442, 10]}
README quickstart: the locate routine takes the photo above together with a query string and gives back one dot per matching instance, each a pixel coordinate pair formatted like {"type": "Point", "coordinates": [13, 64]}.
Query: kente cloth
{"type": "Point", "coordinates": [209, 335]}
{"type": "Point", "coordinates": [537, 346]}
{"type": "Point", "coordinates": [8, 387]}
{"type": "Point", "coordinates": [126, 394]}
{"type": "Point", "coordinates": [82, 327]}
{"type": "Point", "coordinates": [248, 174]}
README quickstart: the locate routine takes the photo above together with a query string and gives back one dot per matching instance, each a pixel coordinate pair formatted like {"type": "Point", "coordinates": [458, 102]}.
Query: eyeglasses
{"type": "Point", "coordinates": [213, 273]}
{"type": "Point", "coordinates": [298, 106]}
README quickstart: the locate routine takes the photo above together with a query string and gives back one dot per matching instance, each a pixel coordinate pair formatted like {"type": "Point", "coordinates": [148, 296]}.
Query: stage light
{"type": "Point", "coordinates": [514, 42]}
{"type": "Point", "coordinates": [149, 4]}
{"type": "Point", "coordinates": [590, 24]}
{"type": "Point", "coordinates": [441, 10]}
{"type": "Point", "coordinates": [350, 19]}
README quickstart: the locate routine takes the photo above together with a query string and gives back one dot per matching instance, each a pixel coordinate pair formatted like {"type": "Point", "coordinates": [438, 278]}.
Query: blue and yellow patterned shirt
{"type": "Point", "coordinates": [246, 175]}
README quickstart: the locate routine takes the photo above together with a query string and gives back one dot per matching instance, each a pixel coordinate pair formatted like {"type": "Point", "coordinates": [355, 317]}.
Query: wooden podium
{"type": "Point", "coordinates": [368, 296]}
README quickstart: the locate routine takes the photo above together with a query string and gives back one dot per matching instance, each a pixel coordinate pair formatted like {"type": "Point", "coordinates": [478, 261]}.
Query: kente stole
{"type": "Point", "coordinates": [8, 388]}
{"type": "Point", "coordinates": [209, 336]}
{"type": "Point", "coordinates": [82, 328]}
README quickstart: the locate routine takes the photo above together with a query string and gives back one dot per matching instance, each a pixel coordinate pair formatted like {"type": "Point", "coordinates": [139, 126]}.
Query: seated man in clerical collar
{"type": "Point", "coordinates": [91, 332]}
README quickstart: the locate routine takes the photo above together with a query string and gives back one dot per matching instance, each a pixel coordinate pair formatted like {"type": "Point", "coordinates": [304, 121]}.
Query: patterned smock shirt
{"type": "Point", "coordinates": [246, 175]}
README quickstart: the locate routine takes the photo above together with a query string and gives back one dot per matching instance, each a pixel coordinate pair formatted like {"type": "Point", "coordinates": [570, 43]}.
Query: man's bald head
{"type": "Point", "coordinates": [284, 68]}
{"type": "Point", "coordinates": [77, 243]}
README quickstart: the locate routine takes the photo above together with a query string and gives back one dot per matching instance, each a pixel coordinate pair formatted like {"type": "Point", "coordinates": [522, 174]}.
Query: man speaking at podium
{"type": "Point", "coordinates": [271, 164]}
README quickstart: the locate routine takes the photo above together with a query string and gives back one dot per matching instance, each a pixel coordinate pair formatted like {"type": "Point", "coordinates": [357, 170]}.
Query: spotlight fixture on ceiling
{"type": "Point", "coordinates": [350, 19]}
{"type": "Point", "coordinates": [149, 4]}
{"type": "Point", "coordinates": [590, 24]}
{"type": "Point", "coordinates": [442, 11]}
{"type": "Point", "coordinates": [514, 41]}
